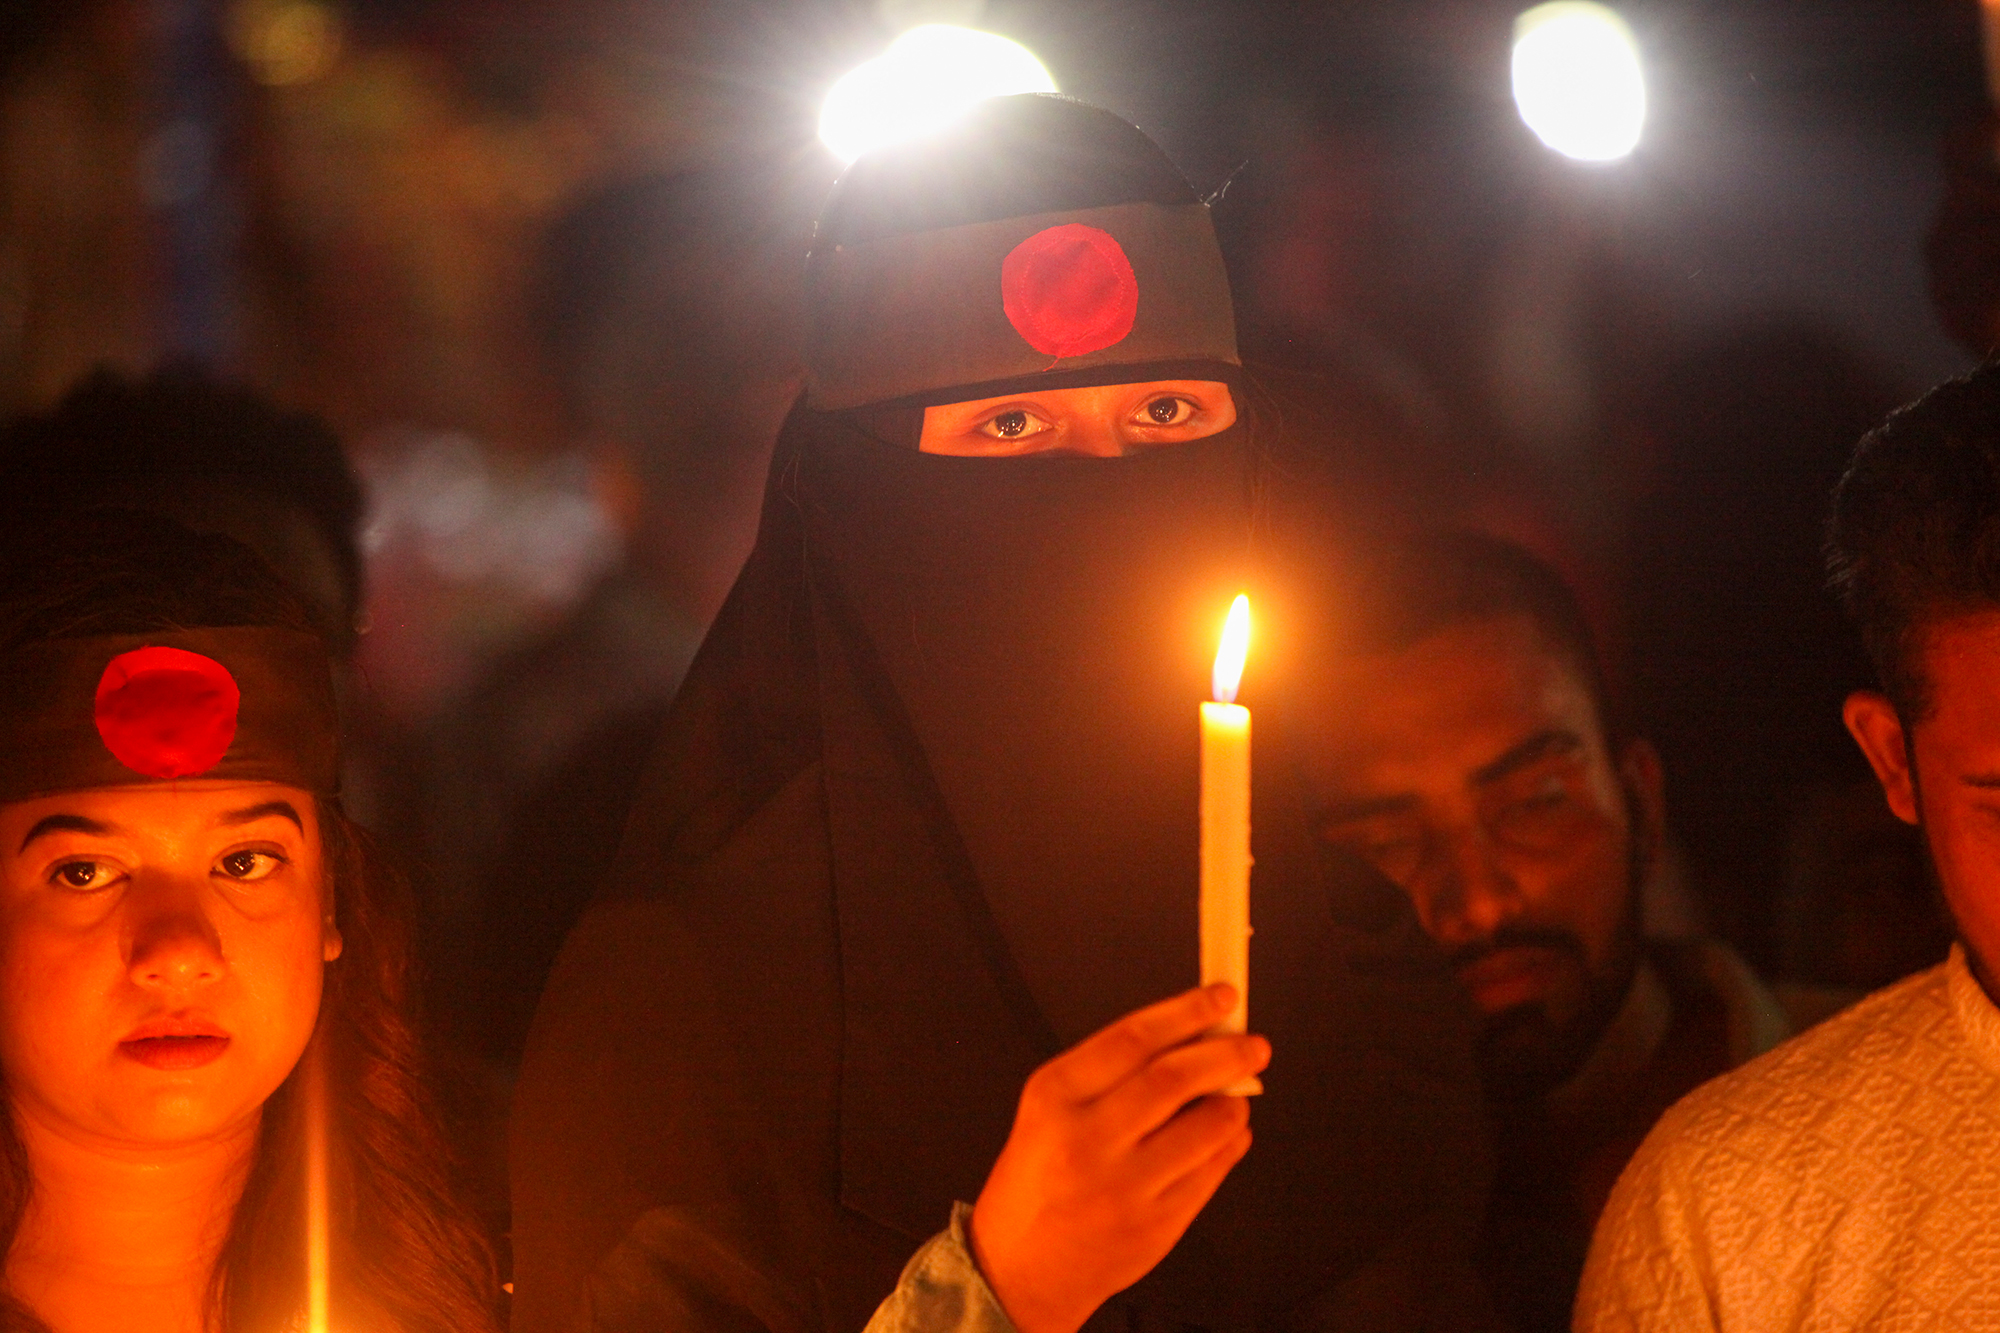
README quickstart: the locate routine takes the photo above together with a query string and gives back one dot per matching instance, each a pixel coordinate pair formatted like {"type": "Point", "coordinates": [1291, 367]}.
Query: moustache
{"type": "Point", "coordinates": [1519, 937]}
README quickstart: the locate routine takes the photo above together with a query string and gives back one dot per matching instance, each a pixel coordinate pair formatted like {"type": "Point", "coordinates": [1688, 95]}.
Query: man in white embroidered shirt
{"type": "Point", "coordinates": [1851, 1178]}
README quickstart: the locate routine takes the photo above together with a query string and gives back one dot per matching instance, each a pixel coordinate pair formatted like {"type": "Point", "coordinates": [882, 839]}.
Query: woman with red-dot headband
{"type": "Point", "coordinates": [212, 1119]}
{"type": "Point", "coordinates": [899, 955]}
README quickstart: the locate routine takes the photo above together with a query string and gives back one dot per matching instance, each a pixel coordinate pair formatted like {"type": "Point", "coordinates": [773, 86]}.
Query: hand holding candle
{"type": "Point", "coordinates": [1225, 829]}
{"type": "Point", "coordinates": [1117, 1144]}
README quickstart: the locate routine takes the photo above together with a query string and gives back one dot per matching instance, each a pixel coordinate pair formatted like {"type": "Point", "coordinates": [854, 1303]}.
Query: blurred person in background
{"type": "Point", "coordinates": [1841, 1181]}
{"type": "Point", "coordinates": [884, 950]}
{"type": "Point", "coordinates": [671, 309]}
{"type": "Point", "coordinates": [1470, 751]}
{"type": "Point", "coordinates": [212, 455]}
{"type": "Point", "coordinates": [206, 1041]}
{"type": "Point", "coordinates": [668, 310]}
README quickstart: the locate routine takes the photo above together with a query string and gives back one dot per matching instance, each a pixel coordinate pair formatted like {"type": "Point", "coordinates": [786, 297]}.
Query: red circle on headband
{"type": "Point", "coordinates": [167, 713]}
{"type": "Point", "coordinates": [1069, 290]}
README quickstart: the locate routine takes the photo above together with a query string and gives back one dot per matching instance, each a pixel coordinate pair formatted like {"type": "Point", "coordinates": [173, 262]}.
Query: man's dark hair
{"type": "Point", "coordinates": [1915, 533]}
{"type": "Point", "coordinates": [116, 440]}
{"type": "Point", "coordinates": [1415, 587]}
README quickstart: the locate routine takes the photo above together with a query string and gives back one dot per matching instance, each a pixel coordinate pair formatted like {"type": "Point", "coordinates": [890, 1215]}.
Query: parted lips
{"type": "Point", "coordinates": [166, 712]}
{"type": "Point", "coordinates": [244, 704]}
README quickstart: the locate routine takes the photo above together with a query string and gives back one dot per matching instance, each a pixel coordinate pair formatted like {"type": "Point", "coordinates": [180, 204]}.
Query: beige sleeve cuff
{"type": "Point", "coordinates": [941, 1290]}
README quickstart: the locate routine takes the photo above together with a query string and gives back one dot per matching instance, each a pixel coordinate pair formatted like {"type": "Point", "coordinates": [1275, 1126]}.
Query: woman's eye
{"type": "Point", "coordinates": [82, 875]}
{"type": "Point", "coordinates": [1013, 424]}
{"type": "Point", "coordinates": [250, 865]}
{"type": "Point", "coordinates": [1169, 411]}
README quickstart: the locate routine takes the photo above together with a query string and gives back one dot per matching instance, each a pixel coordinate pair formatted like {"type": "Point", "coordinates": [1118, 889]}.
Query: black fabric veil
{"type": "Point", "coordinates": [923, 815]}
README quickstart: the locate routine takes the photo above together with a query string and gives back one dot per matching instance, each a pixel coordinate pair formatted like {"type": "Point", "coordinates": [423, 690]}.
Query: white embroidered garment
{"type": "Point", "coordinates": [1850, 1179]}
{"type": "Point", "coordinates": [942, 1289]}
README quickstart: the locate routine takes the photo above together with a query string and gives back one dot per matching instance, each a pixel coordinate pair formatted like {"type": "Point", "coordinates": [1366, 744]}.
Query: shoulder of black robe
{"type": "Point", "coordinates": [793, 1029]}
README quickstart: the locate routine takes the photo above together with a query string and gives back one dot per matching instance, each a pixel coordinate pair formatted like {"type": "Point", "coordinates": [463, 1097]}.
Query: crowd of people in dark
{"type": "Point", "coordinates": [811, 946]}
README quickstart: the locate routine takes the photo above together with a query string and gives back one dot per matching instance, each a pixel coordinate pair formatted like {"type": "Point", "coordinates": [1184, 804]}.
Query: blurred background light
{"type": "Point", "coordinates": [1577, 80]}
{"type": "Point", "coordinates": [286, 41]}
{"type": "Point", "coordinates": [902, 15]}
{"type": "Point", "coordinates": [927, 78]}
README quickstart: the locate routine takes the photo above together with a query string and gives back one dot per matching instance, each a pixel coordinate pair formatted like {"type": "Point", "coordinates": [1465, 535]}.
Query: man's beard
{"type": "Point", "coordinates": [1523, 1052]}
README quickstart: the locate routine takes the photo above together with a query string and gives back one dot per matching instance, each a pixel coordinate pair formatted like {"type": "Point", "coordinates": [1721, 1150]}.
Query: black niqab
{"type": "Point", "coordinates": [1043, 630]}
{"type": "Point", "coordinates": [926, 812]}
{"type": "Point", "coordinates": [971, 687]}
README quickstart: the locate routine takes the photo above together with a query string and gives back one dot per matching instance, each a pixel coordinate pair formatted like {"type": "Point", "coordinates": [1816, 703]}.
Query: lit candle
{"type": "Point", "coordinates": [319, 1241]}
{"type": "Point", "coordinates": [1225, 830]}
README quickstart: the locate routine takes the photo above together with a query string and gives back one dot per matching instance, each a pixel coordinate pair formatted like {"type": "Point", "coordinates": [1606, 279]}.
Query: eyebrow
{"type": "Point", "coordinates": [65, 824]}
{"type": "Point", "coordinates": [1344, 812]}
{"type": "Point", "coordinates": [251, 814]}
{"type": "Point", "coordinates": [1541, 745]}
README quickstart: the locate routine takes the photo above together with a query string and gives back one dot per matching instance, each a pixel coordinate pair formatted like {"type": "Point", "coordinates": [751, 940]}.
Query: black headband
{"type": "Point", "coordinates": [243, 705]}
{"type": "Point", "coordinates": [1095, 295]}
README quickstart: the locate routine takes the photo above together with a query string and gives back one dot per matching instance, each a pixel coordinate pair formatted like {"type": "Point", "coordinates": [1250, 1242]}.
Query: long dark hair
{"type": "Point", "coordinates": [406, 1254]}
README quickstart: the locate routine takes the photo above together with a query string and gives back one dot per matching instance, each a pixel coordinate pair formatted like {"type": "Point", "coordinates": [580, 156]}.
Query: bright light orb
{"type": "Point", "coordinates": [1577, 80]}
{"type": "Point", "coordinates": [928, 78]}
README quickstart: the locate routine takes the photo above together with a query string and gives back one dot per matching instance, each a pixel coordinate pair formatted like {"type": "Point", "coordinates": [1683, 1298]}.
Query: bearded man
{"type": "Point", "coordinates": [1470, 751]}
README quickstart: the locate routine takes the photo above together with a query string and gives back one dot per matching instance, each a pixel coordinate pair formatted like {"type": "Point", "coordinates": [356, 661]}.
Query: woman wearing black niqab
{"type": "Point", "coordinates": [924, 814]}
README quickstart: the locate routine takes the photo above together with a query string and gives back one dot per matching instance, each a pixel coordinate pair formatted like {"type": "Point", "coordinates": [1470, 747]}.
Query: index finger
{"type": "Point", "coordinates": [1109, 1056]}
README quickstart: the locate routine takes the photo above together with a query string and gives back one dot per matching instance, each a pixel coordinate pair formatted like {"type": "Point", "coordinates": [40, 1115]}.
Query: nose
{"type": "Point", "coordinates": [174, 945]}
{"type": "Point", "coordinates": [1476, 895]}
{"type": "Point", "coordinates": [1091, 436]}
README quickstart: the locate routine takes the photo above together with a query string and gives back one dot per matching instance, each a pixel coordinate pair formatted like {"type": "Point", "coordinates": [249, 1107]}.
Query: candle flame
{"type": "Point", "coordinates": [1235, 647]}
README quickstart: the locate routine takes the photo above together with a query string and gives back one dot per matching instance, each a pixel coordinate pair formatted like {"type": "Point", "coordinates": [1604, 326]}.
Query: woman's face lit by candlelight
{"type": "Point", "coordinates": [161, 956]}
{"type": "Point", "coordinates": [1100, 421]}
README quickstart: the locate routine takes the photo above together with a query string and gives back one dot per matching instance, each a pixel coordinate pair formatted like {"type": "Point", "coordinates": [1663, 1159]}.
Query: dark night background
{"type": "Point", "coordinates": [531, 258]}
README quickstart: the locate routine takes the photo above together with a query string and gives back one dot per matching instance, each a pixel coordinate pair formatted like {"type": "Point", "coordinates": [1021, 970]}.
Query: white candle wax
{"type": "Point", "coordinates": [319, 1208]}
{"type": "Point", "coordinates": [1225, 860]}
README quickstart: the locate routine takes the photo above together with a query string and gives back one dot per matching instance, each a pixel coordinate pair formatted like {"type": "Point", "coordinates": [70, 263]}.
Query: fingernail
{"type": "Point", "coordinates": [1222, 995]}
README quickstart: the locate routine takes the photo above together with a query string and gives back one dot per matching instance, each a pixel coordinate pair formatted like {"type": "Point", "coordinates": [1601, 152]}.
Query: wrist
{"type": "Point", "coordinates": [1016, 1293]}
